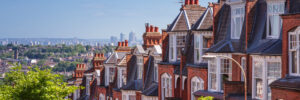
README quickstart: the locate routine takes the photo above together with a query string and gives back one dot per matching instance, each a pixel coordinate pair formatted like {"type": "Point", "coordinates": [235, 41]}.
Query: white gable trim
{"type": "Point", "coordinates": [187, 20]}
{"type": "Point", "coordinates": [176, 21]}
{"type": "Point", "coordinates": [207, 10]}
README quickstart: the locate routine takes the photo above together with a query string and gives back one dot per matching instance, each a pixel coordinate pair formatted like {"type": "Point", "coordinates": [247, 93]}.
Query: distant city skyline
{"type": "Point", "coordinates": [84, 19]}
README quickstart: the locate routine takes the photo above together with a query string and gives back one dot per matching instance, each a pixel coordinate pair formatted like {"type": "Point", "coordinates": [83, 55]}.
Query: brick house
{"type": "Point", "coordinates": [287, 87]}
{"type": "Point", "coordinates": [142, 68]}
{"type": "Point", "coordinates": [77, 80]}
{"type": "Point", "coordinates": [183, 71]}
{"type": "Point", "coordinates": [249, 31]}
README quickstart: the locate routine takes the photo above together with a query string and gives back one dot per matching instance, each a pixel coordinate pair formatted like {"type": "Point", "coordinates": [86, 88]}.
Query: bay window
{"type": "Point", "coordinates": [198, 40]}
{"type": "Point", "coordinates": [140, 67]}
{"type": "Point", "coordinates": [237, 20]}
{"type": "Point", "coordinates": [180, 43]}
{"type": "Point", "coordinates": [121, 77]}
{"type": "Point", "coordinates": [243, 64]}
{"type": "Point", "coordinates": [265, 71]}
{"type": "Point", "coordinates": [274, 22]}
{"type": "Point", "coordinates": [196, 84]}
{"type": "Point", "coordinates": [172, 47]}
{"type": "Point", "coordinates": [166, 86]}
{"type": "Point", "coordinates": [220, 71]}
{"type": "Point", "coordinates": [294, 52]}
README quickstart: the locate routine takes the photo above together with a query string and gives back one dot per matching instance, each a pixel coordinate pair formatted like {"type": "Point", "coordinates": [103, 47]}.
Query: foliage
{"type": "Point", "coordinates": [206, 98]}
{"type": "Point", "coordinates": [65, 66]}
{"type": "Point", "coordinates": [35, 84]}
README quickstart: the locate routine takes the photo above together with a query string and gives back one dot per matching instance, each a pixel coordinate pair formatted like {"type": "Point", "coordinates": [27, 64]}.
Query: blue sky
{"type": "Point", "coordinates": [86, 19]}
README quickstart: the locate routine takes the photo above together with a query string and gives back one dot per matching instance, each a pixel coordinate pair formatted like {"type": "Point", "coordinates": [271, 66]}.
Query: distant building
{"type": "Point", "coordinates": [113, 39]}
{"type": "Point", "coordinates": [132, 39]}
{"type": "Point", "coordinates": [122, 37]}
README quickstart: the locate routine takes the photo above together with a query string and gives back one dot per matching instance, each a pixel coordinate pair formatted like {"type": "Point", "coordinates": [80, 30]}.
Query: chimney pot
{"type": "Point", "coordinates": [156, 29]}
{"type": "Point", "coordinates": [123, 44]}
{"type": "Point", "coordinates": [151, 28]}
{"type": "Point", "coordinates": [187, 2]}
{"type": "Point", "coordinates": [126, 43]}
{"type": "Point", "coordinates": [119, 44]}
{"type": "Point", "coordinates": [192, 2]}
{"type": "Point", "coordinates": [197, 2]}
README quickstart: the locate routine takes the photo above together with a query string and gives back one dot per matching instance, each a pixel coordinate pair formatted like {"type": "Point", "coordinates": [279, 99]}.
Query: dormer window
{"type": "Point", "coordinates": [198, 41]}
{"type": "Point", "coordinates": [274, 22]}
{"type": "Point", "coordinates": [294, 52]}
{"type": "Point", "coordinates": [140, 68]}
{"type": "Point", "coordinates": [237, 19]}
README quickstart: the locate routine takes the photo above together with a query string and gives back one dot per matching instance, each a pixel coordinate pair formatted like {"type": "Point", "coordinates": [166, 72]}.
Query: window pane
{"type": "Point", "coordinates": [213, 81]}
{"type": "Point", "coordinates": [294, 61]}
{"type": "Point", "coordinates": [257, 69]}
{"type": "Point", "coordinates": [259, 88]}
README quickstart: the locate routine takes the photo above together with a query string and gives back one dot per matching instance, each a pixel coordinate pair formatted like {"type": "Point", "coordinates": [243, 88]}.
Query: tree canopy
{"type": "Point", "coordinates": [34, 84]}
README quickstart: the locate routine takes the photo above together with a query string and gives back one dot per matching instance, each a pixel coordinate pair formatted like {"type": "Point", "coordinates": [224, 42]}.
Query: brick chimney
{"type": "Point", "coordinates": [156, 29]}
{"type": "Point", "coordinates": [126, 43]}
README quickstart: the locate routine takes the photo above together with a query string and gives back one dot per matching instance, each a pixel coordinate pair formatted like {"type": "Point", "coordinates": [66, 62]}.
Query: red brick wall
{"type": "Point", "coordinates": [165, 42]}
{"type": "Point", "coordinates": [192, 72]}
{"type": "Point", "coordinates": [138, 95]}
{"type": "Point", "coordinates": [165, 69]}
{"type": "Point", "coordinates": [289, 22]}
{"type": "Point", "coordinates": [101, 90]}
{"type": "Point", "coordinates": [117, 94]}
{"type": "Point", "coordinates": [285, 94]}
{"type": "Point", "coordinates": [236, 70]}
{"type": "Point", "coordinates": [233, 87]}
{"type": "Point", "coordinates": [146, 60]}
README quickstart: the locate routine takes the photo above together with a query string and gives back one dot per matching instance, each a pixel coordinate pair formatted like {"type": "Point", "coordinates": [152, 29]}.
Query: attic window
{"type": "Point", "coordinates": [274, 22]}
{"type": "Point", "coordinates": [237, 20]}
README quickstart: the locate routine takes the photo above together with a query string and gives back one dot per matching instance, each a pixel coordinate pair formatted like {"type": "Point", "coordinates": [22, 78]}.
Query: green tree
{"type": "Point", "coordinates": [35, 84]}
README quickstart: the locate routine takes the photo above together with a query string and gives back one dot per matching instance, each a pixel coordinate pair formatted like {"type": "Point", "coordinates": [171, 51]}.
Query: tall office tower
{"type": "Point", "coordinates": [122, 37]}
{"type": "Point", "coordinates": [113, 39]}
{"type": "Point", "coordinates": [132, 37]}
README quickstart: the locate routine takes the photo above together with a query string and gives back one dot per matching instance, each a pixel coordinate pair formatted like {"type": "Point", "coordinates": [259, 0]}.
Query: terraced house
{"type": "Point", "coordinates": [204, 52]}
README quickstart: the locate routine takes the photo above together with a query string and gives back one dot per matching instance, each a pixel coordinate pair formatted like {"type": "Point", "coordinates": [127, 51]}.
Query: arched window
{"type": "Point", "coordinates": [166, 86]}
{"type": "Point", "coordinates": [196, 84]}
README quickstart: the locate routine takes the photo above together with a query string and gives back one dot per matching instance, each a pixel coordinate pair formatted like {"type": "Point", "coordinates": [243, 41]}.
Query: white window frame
{"type": "Point", "coordinates": [263, 60]}
{"type": "Point", "coordinates": [140, 64]}
{"type": "Point", "coordinates": [217, 71]}
{"type": "Point", "coordinates": [121, 77]}
{"type": "Point", "coordinates": [198, 48]}
{"type": "Point", "coordinates": [244, 65]}
{"type": "Point", "coordinates": [269, 14]}
{"type": "Point", "coordinates": [295, 48]}
{"type": "Point", "coordinates": [241, 7]}
{"type": "Point", "coordinates": [156, 70]}
{"type": "Point", "coordinates": [172, 47]}
{"type": "Point", "coordinates": [101, 96]}
{"type": "Point", "coordinates": [199, 85]}
{"type": "Point", "coordinates": [166, 86]}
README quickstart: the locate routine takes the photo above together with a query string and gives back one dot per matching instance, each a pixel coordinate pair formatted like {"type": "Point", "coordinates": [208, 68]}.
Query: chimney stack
{"type": "Point", "coordinates": [151, 28]}
{"type": "Point", "coordinates": [126, 43]}
{"type": "Point", "coordinates": [156, 29]}
{"type": "Point", "coordinates": [119, 44]}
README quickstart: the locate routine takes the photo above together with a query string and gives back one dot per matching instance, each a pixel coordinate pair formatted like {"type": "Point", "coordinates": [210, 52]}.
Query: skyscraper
{"type": "Point", "coordinates": [113, 39]}
{"type": "Point", "coordinates": [132, 37]}
{"type": "Point", "coordinates": [122, 37]}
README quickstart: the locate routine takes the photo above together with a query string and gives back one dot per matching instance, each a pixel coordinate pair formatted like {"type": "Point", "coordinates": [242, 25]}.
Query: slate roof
{"type": "Point", "coordinates": [152, 90]}
{"type": "Point", "coordinates": [132, 82]}
{"type": "Point", "coordinates": [205, 22]}
{"type": "Point", "coordinates": [223, 42]}
{"type": "Point", "coordinates": [188, 16]}
{"type": "Point", "coordinates": [290, 83]}
{"type": "Point", "coordinates": [150, 86]}
{"type": "Point", "coordinates": [113, 59]}
{"type": "Point", "coordinates": [258, 43]}
{"type": "Point", "coordinates": [294, 6]}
